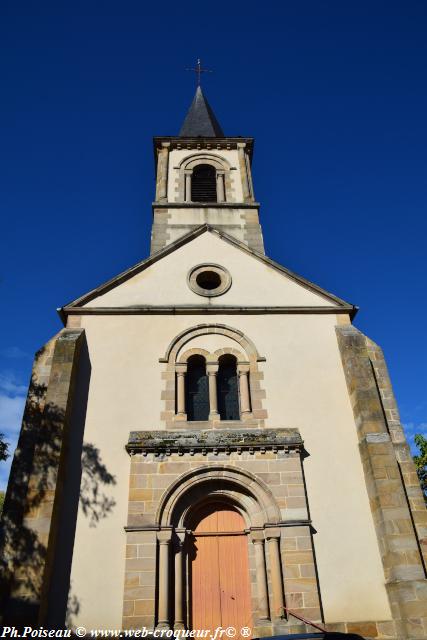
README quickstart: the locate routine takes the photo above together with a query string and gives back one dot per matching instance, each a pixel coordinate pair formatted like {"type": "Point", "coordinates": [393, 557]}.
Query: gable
{"type": "Point", "coordinates": [163, 281]}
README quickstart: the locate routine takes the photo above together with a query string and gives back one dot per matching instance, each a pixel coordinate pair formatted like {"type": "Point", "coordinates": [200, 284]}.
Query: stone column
{"type": "Point", "coordinates": [243, 172]}
{"type": "Point", "coordinates": [245, 405]}
{"type": "Point", "coordinates": [180, 392]}
{"type": "Point", "coordinates": [261, 575]}
{"type": "Point", "coordinates": [162, 173]}
{"type": "Point", "coordinates": [273, 537]}
{"type": "Point", "coordinates": [188, 174]}
{"type": "Point", "coordinates": [164, 538]}
{"type": "Point", "coordinates": [212, 371]}
{"type": "Point", "coordinates": [179, 581]}
{"type": "Point", "coordinates": [220, 190]}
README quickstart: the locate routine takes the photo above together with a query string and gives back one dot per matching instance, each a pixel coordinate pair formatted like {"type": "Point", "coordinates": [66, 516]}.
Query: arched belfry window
{"type": "Point", "coordinates": [197, 389]}
{"type": "Point", "coordinates": [203, 184]}
{"type": "Point", "coordinates": [227, 385]}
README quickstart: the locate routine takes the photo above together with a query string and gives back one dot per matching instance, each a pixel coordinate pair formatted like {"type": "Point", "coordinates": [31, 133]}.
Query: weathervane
{"type": "Point", "coordinates": [198, 69]}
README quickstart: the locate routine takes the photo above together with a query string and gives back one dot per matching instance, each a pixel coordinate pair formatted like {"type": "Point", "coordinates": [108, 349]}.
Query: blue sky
{"type": "Point", "coordinates": [333, 92]}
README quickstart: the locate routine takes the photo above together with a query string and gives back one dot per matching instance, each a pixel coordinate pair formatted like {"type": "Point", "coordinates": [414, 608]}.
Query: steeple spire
{"type": "Point", "coordinates": [200, 120]}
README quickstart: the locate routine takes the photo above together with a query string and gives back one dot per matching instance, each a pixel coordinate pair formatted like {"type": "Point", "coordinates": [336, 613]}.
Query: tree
{"type": "Point", "coordinates": [421, 462]}
{"type": "Point", "coordinates": [4, 448]}
{"type": "Point", "coordinates": [4, 454]}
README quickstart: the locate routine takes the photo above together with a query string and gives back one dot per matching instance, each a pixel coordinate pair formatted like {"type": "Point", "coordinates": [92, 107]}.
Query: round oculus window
{"type": "Point", "coordinates": [209, 280]}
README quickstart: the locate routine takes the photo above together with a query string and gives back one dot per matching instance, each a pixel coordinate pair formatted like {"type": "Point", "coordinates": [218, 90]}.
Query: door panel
{"type": "Point", "coordinates": [206, 601]}
{"type": "Point", "coordinates": [236, 610]}
{"type": "Point", "coordinates": [220, 570]}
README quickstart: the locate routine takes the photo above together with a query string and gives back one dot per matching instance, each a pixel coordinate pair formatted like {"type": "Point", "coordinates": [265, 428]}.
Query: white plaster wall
{"type": "Point", "coordinates": [305, 388]}
{"type": "Point", "coordinates": [176, 156]}
{"type": "Point", "coordinates": [253, 282]}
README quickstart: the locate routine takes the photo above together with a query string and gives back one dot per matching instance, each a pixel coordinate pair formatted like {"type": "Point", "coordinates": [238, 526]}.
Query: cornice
{"type": "Point", "coordinates": [205, 309]}
{"type": "Point", "coordinates": [214, 441]}
{"type": "Point", "coordinates": [175, 142]}
{"type": "Point", "coordinates": [205, 205]}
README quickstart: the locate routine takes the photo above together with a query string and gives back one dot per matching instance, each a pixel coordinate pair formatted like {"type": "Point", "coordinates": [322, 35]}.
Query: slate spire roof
{"type": "Point", "coordinates": [200, 119]}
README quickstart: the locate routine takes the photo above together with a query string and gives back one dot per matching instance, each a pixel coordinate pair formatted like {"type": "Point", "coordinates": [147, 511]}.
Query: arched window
{"type": "Point", "coordinates": [228, 397]}
{"type": "Point", "coordinates": [196, 389]}
{"type": "Point", "coordinates": [203, 184]}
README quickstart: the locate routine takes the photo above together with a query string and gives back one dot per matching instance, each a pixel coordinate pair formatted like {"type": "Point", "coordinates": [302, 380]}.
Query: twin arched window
{"type": "Point", "coordinates": [223, 393]}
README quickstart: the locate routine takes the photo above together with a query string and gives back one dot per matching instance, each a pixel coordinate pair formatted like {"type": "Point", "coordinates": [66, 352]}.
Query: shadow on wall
{"type": "Point", "coordinates": [53, 472]}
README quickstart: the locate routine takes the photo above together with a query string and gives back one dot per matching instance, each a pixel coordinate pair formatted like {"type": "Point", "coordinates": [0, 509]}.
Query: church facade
{"type": "Point", "coordinates": [210, 441]}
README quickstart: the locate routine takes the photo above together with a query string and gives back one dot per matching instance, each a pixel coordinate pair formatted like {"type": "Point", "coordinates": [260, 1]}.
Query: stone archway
{"type": "Point", "coordinates": [219, 490]}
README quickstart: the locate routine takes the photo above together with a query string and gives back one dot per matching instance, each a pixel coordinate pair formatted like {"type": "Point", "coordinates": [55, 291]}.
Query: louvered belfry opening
{"type": "Point", "coordinates": [203, 184]}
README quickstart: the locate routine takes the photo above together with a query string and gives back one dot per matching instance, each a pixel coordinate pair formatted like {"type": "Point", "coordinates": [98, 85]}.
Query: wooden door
{"type": "Point", "coordinates": [220, 585]}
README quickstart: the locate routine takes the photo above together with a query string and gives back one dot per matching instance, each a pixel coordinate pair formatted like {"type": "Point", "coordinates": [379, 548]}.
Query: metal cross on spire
{"type": "Point", "coordinates": [198, 69]}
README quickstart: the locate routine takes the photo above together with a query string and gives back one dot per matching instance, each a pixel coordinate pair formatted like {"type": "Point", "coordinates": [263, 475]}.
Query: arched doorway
{"type": "Point", "coordinates": [219, 572]}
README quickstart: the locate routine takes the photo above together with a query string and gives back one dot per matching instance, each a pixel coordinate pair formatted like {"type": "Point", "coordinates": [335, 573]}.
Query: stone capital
{"type": "Point", "coordinates": [257, 537]}
{"type": "Point", "coordinates": [272, 532]}
{"type": "Point", "coordinates": [212, 369]}
{"type": "Point", "coordinates": [164, 536]}
{"type": "Point", "coordinates": [181, 534]}
{"type": "Point", "coordinates": [243, 367]}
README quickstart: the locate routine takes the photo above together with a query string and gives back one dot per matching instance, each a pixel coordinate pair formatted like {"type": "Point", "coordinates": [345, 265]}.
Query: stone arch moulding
{"type": "Point", "coordinates": [249, 493]}
{"type": "Point", "coordinates": [217, 161]}
{"type": "Point", "coordinates": [231, 352]}
{"type": "Point", "coordinates": [194, 352]}
{"type": "Point", "coordinates": [203, 329]}
{"type": "Point", "coordinates": [212, 358]}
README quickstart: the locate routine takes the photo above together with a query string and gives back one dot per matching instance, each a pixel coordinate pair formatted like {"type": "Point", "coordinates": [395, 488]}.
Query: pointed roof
{"type": "Point", "coordinates": [200, 120]}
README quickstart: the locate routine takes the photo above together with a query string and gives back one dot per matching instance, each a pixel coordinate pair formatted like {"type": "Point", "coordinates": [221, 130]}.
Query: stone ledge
{"type": "Point", "coordinates": [205, 205]}
{"type": "Point", "coordinates": [214, 441]}
{"type": "Point", "coordinates": [373, 438]}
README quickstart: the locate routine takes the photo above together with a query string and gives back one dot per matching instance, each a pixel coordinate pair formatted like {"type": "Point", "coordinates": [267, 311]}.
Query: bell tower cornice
{"type": "Point", "coordinates": [178, 142]}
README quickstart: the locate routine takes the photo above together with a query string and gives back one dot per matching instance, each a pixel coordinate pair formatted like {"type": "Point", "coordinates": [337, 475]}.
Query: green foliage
{"type": "Point", "coordinates": [4, 448]}
{"type": "Point", "coordinates": [1, 501]}
{"type": "Point", "coordinates": [421, 462]}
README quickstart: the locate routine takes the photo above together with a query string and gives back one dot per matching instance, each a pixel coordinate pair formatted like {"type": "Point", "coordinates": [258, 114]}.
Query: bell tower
{"type": "Point", "coordinates": [203, 176]}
